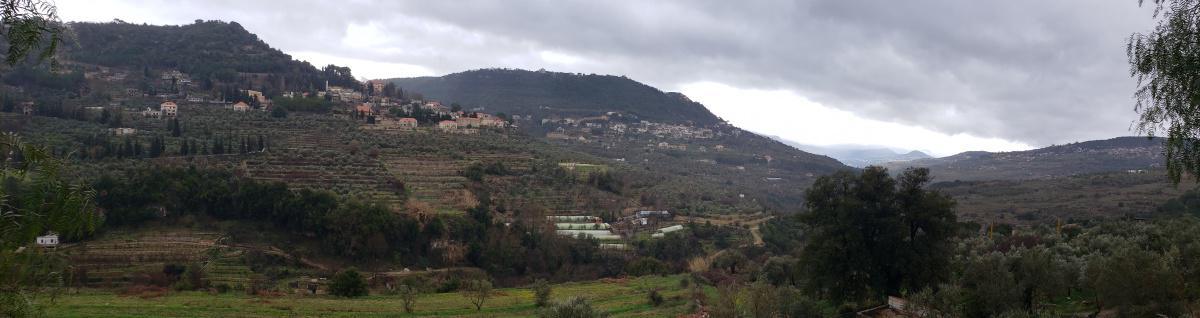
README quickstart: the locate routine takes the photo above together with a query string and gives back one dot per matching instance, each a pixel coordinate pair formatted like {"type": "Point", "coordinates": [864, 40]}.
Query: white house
{"type": "Point", "coordinates": [48, 240]}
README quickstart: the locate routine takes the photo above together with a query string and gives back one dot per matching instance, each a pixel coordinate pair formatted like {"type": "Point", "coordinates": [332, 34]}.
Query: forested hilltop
{"type": "Point", "coordinates": [207, 50]}
{"type": "Point", "coordinates": [545, 93]}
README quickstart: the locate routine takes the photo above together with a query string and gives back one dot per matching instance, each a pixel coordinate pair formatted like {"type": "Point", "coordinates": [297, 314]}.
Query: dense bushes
{"type": "Point", "coordinates": [348, 283]}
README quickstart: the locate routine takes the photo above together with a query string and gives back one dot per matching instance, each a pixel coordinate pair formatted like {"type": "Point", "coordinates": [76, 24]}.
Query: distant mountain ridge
{"type": "Point", "coordinates": [858, 156]}
{"type": "Point", "coordinates": [545, 93]}
{"type": "Point", "coordinates": [1116, 154]}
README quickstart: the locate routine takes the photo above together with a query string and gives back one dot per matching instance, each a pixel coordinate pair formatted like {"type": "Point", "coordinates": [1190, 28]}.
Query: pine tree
{"type": "Point", "coordinates": [154, 143]}
{"type": "Point", "coordinates": [176, 131]}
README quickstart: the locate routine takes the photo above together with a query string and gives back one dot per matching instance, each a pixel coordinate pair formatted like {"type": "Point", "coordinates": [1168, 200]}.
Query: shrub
{"type": "Point", "coordinates": [576, 308]}
{"type": "Point", "coordinates": [646, 266]}
{"type": "Point", "coordinates": [655, 298]}
{"type": "Point", "coordinates": [348, 283]}
{"type": "Point", "coordinates": [541, 292]}
{"type": "Point", "coordinates": [478, 291]}
{"type": "Point", "coordinates": [409, 295]}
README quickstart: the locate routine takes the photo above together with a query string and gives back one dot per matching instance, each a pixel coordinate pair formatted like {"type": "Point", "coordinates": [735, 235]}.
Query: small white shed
{"type": "Point", "coordinates": [48, 240]}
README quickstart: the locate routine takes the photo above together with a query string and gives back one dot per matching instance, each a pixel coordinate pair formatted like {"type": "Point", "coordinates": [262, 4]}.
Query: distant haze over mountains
{"type": "Point", "coordinates": [1116, 154]}
{"type": "Point", "coordinates": [858, 156]}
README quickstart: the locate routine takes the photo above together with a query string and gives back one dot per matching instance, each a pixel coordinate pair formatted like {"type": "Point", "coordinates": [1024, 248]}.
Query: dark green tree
{"type": "Point", "coordinates": [278, 112]}
{"type": "Point", "coordinates": [348, 283]}
{"type": "Point", "coordinates": [176, 131]}
{"type": "Point", "coordinates": [871, 236]}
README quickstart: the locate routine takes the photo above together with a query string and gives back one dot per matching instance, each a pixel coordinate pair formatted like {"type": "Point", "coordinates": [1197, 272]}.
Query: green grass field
{"type": "Point", "coordinates": [621, 298]}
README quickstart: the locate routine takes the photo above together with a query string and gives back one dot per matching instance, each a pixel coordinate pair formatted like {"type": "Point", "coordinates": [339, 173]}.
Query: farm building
{"type": "Point", "coordinates": [654, 214]}
{"type": "Point", "coordinates": [597, 234]}
{"type": "Point", "coordinates": [572, 218]}
{"type": "Point", "coordinates": [582, 226]}
{"type": "Point", "coordinates": [663, 231]}
{"type": "Point", "coordinates": [48, 240]}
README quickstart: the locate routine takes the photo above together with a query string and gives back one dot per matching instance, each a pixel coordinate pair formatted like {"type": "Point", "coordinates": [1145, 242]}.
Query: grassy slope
{"type": "Point", "coordinates": [620, 298]}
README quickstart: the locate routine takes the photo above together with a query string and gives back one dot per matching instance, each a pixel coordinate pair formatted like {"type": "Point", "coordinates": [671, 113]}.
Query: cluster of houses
{"type": "Point", "coordinates": [167, 109]}
{"type": "Point", "coordinates": [466, 124]}
{"type": "Point", "coordinates": [458, 122]}
{"type": "Point", "coordinates": [614, 123]}
{"type": "Point", "coordinates": [341, 94]}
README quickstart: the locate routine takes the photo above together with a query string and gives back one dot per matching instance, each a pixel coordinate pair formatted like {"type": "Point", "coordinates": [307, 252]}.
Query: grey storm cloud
{"type": "Point", "coordinates": [1039, 72]}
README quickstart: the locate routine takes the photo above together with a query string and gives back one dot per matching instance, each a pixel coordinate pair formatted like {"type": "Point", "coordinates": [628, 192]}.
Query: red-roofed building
{"type": "Point", "coordinates": [448, 125]}
{"type": "Point", "coordinates": [169, 108]}
{"type": "Point", "coordinates": [408, 122]}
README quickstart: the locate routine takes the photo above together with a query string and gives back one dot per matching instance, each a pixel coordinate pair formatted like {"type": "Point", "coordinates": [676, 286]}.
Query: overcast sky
{"type": "Point", "coordinates": [941, 76]}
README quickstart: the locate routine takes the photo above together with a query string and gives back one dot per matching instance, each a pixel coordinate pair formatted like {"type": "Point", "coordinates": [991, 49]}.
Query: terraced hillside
{"type": "Point", "coordinates": [120, 259]}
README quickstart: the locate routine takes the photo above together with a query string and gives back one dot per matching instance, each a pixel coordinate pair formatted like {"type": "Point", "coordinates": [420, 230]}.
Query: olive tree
{"type": "Point", "coordinates": [477, 292]}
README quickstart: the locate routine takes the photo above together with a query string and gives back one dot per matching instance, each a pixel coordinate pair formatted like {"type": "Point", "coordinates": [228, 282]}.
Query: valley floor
{"type": "Point", "coordinates": [619, 297]}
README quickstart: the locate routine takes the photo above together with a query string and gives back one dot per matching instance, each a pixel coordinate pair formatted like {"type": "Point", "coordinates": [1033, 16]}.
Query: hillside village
{"type": "Point", "coordinates": [222, 177]}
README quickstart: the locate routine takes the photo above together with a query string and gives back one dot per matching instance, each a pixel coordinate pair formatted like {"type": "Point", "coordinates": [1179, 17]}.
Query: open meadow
{"type": "Point", "coordinates": [619, 297]}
